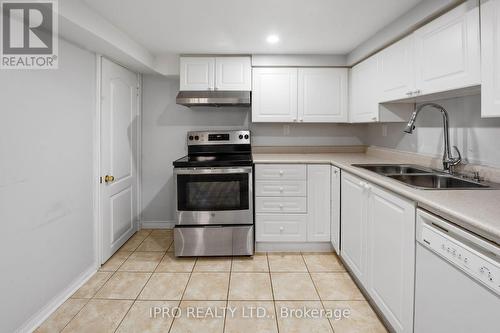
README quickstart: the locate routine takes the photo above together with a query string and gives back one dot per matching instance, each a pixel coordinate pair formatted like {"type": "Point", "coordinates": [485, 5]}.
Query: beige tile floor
{"type": "Point", "coordinates": [270, 292]}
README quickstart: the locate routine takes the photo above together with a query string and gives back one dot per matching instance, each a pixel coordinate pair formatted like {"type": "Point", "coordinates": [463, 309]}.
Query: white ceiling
{"type": "Point", "coordinates": [238, 26]}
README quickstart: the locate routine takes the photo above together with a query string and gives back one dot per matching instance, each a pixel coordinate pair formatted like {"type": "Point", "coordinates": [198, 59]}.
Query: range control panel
{"type": "Point", "coordinates": [476, 264]}
{"type": "Point", "coordinates": [222, 137]}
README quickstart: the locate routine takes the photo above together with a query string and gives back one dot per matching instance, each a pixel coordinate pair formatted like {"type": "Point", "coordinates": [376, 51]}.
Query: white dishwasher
{"type": "Point", "coordinates": [457, 282]}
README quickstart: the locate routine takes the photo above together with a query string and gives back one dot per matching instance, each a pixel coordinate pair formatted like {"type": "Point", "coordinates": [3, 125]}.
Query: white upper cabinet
{"type": "Point", "coordinates": [447, 51]}
{"type": "Point", "coordinates": [233, 73]}
{"type": "Point", "coordinates": [215, 73]}
{"type": "Point", "coordinates": [322, 95]}
{"type": "Point", "coordinates": [197, 73]}
{"type": "Point", "coordinates": [490, 58]}
{"type": "Point", "coordinates": [396, 75]}
{"type": "Point", "coordinates": [274, 95]}
{"type": "Point", "coordinates": [363, 92]}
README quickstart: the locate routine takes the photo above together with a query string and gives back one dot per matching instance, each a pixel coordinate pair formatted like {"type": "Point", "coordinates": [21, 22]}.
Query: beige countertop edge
{"type": "Point", "coordinates": [487, 227]}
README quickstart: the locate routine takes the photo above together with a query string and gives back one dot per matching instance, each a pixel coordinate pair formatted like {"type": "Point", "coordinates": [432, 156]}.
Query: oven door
{"type": "Point", "coordinates": [210, 196]}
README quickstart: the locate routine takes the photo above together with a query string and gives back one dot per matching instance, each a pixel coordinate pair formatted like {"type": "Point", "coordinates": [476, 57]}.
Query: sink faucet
{"type": "Point", "coordinates": [448, 160]}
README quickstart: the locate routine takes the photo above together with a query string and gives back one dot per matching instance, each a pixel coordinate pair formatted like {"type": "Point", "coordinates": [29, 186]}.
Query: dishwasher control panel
{"type": "Point", "coordinates": [476, 264]}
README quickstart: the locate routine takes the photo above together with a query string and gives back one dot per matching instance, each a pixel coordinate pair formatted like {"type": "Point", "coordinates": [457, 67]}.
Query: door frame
{"type": "Point", "coordinates": [96, 195]}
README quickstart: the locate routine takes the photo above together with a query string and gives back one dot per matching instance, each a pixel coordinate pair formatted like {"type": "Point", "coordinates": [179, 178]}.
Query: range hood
{"type": "Point", "coordinates": [214, 98]}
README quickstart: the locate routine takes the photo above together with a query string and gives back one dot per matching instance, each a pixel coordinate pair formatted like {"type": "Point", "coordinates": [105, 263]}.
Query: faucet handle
{"type": "Point", "coordinates": [457, 160]}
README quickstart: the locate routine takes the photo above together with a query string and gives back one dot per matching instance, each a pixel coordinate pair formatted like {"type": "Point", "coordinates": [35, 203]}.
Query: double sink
{"type": "Point", "coordinates": [425, 178]}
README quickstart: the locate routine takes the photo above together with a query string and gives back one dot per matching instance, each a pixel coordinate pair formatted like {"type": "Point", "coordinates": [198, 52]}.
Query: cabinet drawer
{"type": "Point", "coordinates": [277, 188]}
{"type": "Point", "coordinates": [280, 205]}
{"type": "Point", "coordinates": [281, 228]}
{"type": "Point", "coordinates": [280, 171]}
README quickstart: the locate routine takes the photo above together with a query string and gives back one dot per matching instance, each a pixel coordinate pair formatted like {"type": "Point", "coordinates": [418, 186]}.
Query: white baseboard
{"type": "Point", "coordinates": [157, 224]}
{"type": "Point", "coordinates": [294, 247]}
{"type": "Point", "coordinates": [39, 317]}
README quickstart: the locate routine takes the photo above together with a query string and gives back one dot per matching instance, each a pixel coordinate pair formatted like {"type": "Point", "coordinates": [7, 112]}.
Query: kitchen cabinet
{"type": "Point", "coordinates": [215, 73]}
{"type": "Point", "coordinates": [197, 73]}
{"type": "Point", "coordinates": [233, 73]}
{"type": "Point", "coordinates": [354, 224]}
{"type": "Point", "coordinates": [322, 95]}
{"type": "Point", "coordinates": [391, 253]}
{"type": "Point", "coordinates": [292, 203]}
{"type": "Point", "coordinates": [363, 103]}
{"type": "Point", "coordinates": [290, 95]}
{"type": "Point", "coordinates": [378, 245]}
{"type": "Point", "coordinates": [335, 209]}
{"type": "Point", "coordinates": [447, 51]}
{"type": "Point", "coordinates": [318, 196]}
{"type": "Point", "coordinates": [274, 95]}
{"type": "Point", "coordinates": [490, 58]}
{"type": "Point", "coordinates": [396, 71]}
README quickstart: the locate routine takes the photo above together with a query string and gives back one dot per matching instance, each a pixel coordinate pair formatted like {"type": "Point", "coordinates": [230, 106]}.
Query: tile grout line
{"type": "Point", "coordinates": [69, 321]}
{"type": "Point", "coordinates": [316, 288]}
{"type": "Point", "coordinates": [272, 291]}
{"type": "Point", "coordinates": [183, 292]}
{"type": "Point", "coordinates": [227, 295]}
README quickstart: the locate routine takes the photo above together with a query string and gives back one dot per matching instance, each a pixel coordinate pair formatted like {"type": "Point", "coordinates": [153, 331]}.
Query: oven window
{"type": "Point", "coordinates": [212, 192]}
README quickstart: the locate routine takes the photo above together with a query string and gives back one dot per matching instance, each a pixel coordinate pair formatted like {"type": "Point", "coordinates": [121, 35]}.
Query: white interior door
{"type": "Point", "coordinates": [119, 132]}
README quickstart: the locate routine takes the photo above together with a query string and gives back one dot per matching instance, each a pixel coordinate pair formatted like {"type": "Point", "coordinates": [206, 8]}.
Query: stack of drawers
{"type": "Point", "coordinates": [281, 202]}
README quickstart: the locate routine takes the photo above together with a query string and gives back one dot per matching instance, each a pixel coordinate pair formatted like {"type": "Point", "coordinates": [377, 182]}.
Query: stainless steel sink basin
{"type": "Point", "coordinates": [437, 181]}
{"type": "Point", "coordinates": [391, 169]}
{"type": "Point", "coordinates": [425, 178]}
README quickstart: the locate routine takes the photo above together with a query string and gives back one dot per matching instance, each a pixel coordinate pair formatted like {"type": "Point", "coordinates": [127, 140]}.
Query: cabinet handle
{"type": "Point", "coordinates": [374, 118]}
{"type": "Point", "coordinates": [409, 93]}
{"type": "Point", "coordinates": [281, 172]}
{"type": "Point", "coordinates": [301, 119]}
{"type": "Point", "coordinates": [281, 189]}
{"type": "Point", "coordinates": [281, 229]}
{"type": "Point", "coordinates": [417, 92]}
{"type": "Point", "coordinates": [281, 206]}
{"type": "Point", "coordinates": [294, 119]}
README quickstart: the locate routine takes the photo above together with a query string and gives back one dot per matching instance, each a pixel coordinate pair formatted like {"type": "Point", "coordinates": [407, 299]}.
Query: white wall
{"type": "Point", "coordinates": [164, 129]}
{"type": "Point", "coordinates": [46, 133]}
{"type": "Point", "coordinates": [476, 138]}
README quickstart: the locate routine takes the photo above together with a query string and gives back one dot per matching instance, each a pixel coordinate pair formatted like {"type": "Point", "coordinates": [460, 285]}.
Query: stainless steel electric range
{"type": "Point", "coordinates": [214, 186]}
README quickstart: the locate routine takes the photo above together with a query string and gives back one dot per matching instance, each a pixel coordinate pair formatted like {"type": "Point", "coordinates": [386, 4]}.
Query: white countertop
{"type": "Point", "coordinates": [474, 210]}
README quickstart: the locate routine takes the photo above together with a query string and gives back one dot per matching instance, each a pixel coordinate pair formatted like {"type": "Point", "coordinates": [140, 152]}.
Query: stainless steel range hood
{"type": "Point", "coordinates": [214, 98]}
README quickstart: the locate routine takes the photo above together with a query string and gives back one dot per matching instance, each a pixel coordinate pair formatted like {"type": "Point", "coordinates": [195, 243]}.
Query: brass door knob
{"type": "Point", "coordinates": [108, 178]}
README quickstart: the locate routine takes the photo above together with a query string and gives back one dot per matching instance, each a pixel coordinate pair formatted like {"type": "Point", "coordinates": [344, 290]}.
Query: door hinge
{"type": "Point", "coordinates": [100, 180]}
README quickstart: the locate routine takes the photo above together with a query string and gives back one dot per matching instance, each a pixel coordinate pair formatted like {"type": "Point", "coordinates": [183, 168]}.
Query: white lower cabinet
{"type": "Point", "coordinates": [391, 253]}
{"type": "Point", "coordinates": [378, 245]}
{"type": "Point", "coordinates": [292, 203]}
{"type": "Point", "coordinates": [335, 209]}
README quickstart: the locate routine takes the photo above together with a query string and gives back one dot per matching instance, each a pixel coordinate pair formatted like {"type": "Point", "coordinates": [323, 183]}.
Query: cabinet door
{"type": "Point", "coordinates": [322, 95]}
{"type": "Point", "coordinates": [363, 92]}
{"type": "Point", "coordinates": [447, 51]}
{"type": "Point", "coordinates": [391, 256]}
{"type": "Point", "coordinates": [335, 209]}
{"type": "Point", "coordinates": [233, 73]}
{"type": "Point", "coordinates": [197, 73]}
{"type": "Point", "coordinates": [274, 95]}
{"type": "Point", "coordinates": [353, 222]}
{"type": "Point", "coordinates": [395, 66]}
{"type": "Point", "coordinates": [490, 58]}
{"type": "Point", "coordinates": [318, 201]}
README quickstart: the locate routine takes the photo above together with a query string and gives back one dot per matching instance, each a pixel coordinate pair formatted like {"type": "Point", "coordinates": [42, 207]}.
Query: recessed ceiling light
{"type": "Point", "coordinates": [272, 39]}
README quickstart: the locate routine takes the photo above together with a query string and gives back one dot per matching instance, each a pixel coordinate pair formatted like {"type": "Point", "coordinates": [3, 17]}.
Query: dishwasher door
{"type": "Point", "coordinates": [449, 301]}
{"type": "Point", "coordinates": [456, 280]}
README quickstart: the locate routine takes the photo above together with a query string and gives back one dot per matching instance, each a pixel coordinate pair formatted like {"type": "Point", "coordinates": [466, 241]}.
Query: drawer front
{"type": "Point", "coordinates": [280, 171]}
{"type": "Point", "coordinates": [281, 228]}
{"type": "Point", "coordinates": [277, 188]}
{"type": "Point", "coordinates": [280, 205]}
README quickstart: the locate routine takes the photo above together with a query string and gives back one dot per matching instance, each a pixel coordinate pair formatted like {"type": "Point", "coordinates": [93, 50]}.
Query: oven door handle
{"type": "Point", "coordinates": [212, 171]}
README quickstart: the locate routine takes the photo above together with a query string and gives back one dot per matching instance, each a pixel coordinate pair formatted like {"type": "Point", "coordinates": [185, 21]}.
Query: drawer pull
{"type": "Point", "coordinates": [281, 189]}
{"type": "Point", "coordinates": [281, 229]}
{"type": "Point", "coordinates": [281, 206]}
{"type": "Point", "coordinates": [281, 172]}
